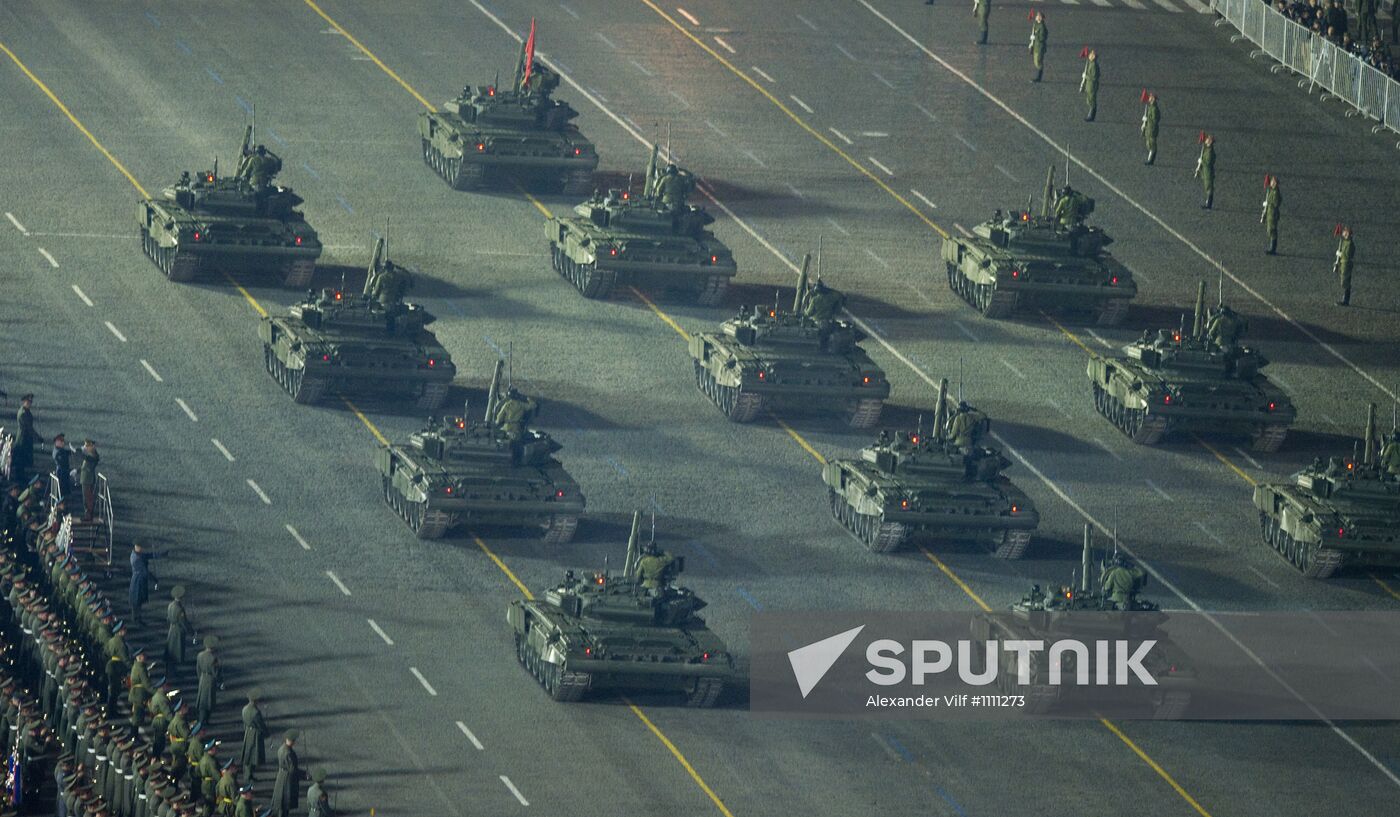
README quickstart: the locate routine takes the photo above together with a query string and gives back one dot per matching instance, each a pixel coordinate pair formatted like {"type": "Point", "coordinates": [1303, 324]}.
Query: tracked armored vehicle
{"type": "Point", "coordinates": [1085, 612]}
{"type": "Point", "coordinates": [241, 221]}
{"type": "Point", "coordinates": [521, 132]}
{"type": "Point", "coordinates": [461, 471]}
{"type": "Point", "coordinates": [1342, 512]}
{"type": "Point", "coordinates": [767, 357]}
{"type": "Point", "coordinates": [914, 482]}
{"type": "Point", "coordinates": [1051, 261]}
{"type": "Point", "coordinates": [1196, 381]}
{"type": "Point", "coordinates": [634, 631]}
{"type": "Point", "coordinates": [654, 239]}
{"type": "Point", "coordinates": [357, 344]}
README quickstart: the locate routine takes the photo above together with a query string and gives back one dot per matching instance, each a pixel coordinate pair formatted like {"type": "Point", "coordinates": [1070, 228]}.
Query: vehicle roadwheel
{"type": "Point", "coordinates": [520, 649]}
{"type": "Point", "coordinates": [705, 693]}
{"type": "Point", "coordinates": [738, 405]}
{"type": "Point", "coordinates": [427, 153]}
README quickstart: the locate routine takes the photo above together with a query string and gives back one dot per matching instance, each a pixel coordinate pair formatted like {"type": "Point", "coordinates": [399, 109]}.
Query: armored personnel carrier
{"type": "Point", "coordinates": [655, 239]}
{"type": "Point", "coordinates": [463, 471]}
{"type": "Point", "coordinates": [1342, 512]}
{"type": "Point", "coordinates": [1053, 260]}
{"type": "Point", "coordinates": [915, 482]}
{"type": "Point", "coordinates": [243, 220]}
{"type": "Point", "coordinates": [358, 344]}
{"type": "Point", "coordinates": [768, 357]}
{"type": "Point", "coordinates": [520, 131]}
{"type": "Point", "coordinates": [1201, 381]}
{"type": "Point", "coordinates": [630, 631]}
{"type": "Point", "coordinates": [1085, 612]}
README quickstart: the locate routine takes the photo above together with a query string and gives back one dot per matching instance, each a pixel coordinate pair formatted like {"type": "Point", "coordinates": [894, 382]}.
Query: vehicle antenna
{"type": "Point", "coordinates": [653, 528]}
{"type": "Point", "coordinates": [775, 303]}
{"type": "Point", "coordinates": [669, 156]}
{"type": "Point", "coordinates": [1067, 164]}
{"type": "Point", "coordinates": [342, 280]}
{"type": "Point", "coordinates": [820, 241]}
{"type": "Point", "coordinates": [253, 109]}
{"type": "Point", "coordinates": [919, 428]}
{"type": "Point", "coordinates": [629, 184]}
{"type": "Point", "coordinates": [216, 166]}
{"type": "Point", "coordinates": [960, 379]}
{"type": "Point", "coordinates": [1394, 419]}
{"type": "Point", "coordinates": [510, 365]}
{"type": "Point", "coordinates": [1220, 291]}
{"type": "Point", "coordinates": [1084, 561]}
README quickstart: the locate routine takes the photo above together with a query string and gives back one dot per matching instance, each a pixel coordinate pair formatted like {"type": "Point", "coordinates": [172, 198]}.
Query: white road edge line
{"type": "Point", "coordinates": [152, 371]}
{"type": "Point", "coordinates": [338, 583]}
{"type": "Point", "coordinates": [15, 221]}
{"type": "Point", "coordinates": [222, 450]}
{"type": "Point", "coordinates": [259, 491]}
{"type": "Point", "coordinates": [297, 536]}
{"type": "Point", "coordinates": [423, 681]}
{"type": "Point", "coordinates": [379, 631]}
{"type": "Point", "coordinates": [116, 331]}
{"type": "Point", "coordinates": [189, 412]}
{"type": "Point", "coordinates": [687, 15]}
{"type": "Point", "coordinates": [470, 736]}
{"type": "Point", "coordinates": [514, 791]}
{"type": "Point", "coordinates": [726, 46]}
{"type": "Point", "coordinates": [53, 262]}
{"type": "Point", "coordinates": [803, 105]}
{"type": "Point", "coordinates": [77, 290]}
{"type": "Point", "coordinates": [921, 197]}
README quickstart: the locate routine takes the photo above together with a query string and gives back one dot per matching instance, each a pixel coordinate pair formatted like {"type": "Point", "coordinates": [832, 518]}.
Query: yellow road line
{"type": "Point", "coordinates": [1185, 795]}
{"type": "Point", "coordinates": [680, 758]}
{"type": "Point", "coordinates": [816, 134]}
{"type": "Point", "coordinates": [956, 579]}
{"type": "Point", "coordinates": [373, 429]}
{"type": "Point", "coordinates": [806, 446]}
{"type": "Point", "coordinates": [667, 319]}
{"type": "Point", "coordinates": [374, 59]}
{"type": "Point", "coordinates": [1228, 463]}
{"type": "Point", "coordinates": [248, 296]}
{"type": "Point", "coordinates": [504, 569]}
{"type": "Point", "coordinates": [1387, 588]}
{"type": "Point", "coordinates": [1067, 333]}
{"type": "Point", "coordinates": [71, 118]}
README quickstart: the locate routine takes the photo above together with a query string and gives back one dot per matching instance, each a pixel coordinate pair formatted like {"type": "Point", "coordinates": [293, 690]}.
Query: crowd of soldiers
{"type": "Point", "coordinates": [24, 473]}
{"type": "Point", "coordinates": [85, 730]}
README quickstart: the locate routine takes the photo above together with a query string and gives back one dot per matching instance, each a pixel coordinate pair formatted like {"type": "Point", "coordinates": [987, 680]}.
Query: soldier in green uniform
{"type": "Point", "coordinates": [1205, 170]}
{"type": "Point", "coordinates": [1394, 22]}
{"type": "Point", "coordinates": [1039, 33]}
{"type": "Point", "coordinates": [966, 426]}
{"type": "Point", "coordinates": [1225, 327]}
{"type": "Point", "coordinates": [512, 413]}
{"type": "Point", "coordinates": [1273, 198]}
{"type": "Point", "coordinates": [674, 188]}
{"type": "Point", "coordinates": [208, 771]}
{"type": "Point", "coordinates": [211, 678]}
{"type": "Point", "coordinates": [1071, 208]}
{"type": "Point", "coordinates": [822, 303]}
{"type": "Point", "coordinates": [117, 658]}
{"type": "Point", "coordinates": [259, 167]}
{"type": "Point", "coordinates": [178, 629]}
{"type": "Point", "coordinates": [318, 802]}
{"type": "Point", "coordinates": [244, 805]}
{"type": "Point", "coordinates": [1151, 121]}
{"type": "Point", "coordinates": [391, 283]}
{"type": "Point", "coordinates": [1089, 85]}
{"type": "Point", "coordinates": [286, 787]}
{"type": "Point", "coordinates": [1342, 266]}
{"type": "Point", "coordinates": [177, 738]}
{"type": "Point", "coordinates": [254, 736]}
{"type": "Point", "coordinates": [653, 567]}
{"type": "Point", "coordinates": [1122, 582]}
{"type": "Point", "coordinates": [226, 790]}
{"type": "Point", "coordinates": [982, 10]}
{"type": "Point", "coordinates": [1390, 455]}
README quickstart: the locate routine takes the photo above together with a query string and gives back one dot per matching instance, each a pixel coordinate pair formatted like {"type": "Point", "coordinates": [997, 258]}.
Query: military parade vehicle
{"type": "Point", "coordinates": [1020, 260]}
{"type": "Point", "coordinates": [520, 131]}
{"type": "Point", "coordinates": [358, 344]}
{"type": "Point", "coordinates": [1342, 512]}
{"type": "Point", "coordinates": [768, 357]}
{"type": "Point", "coordinates": [635, 630]}
{"type": "Point", "coordinates": [655, 239]}
{"type": "Point", "coordinates": [914, 482]}
{"type": "Point", "coordinates": [1198, 381]}
{"type": "Point", "coordinates": [1088, 611]}
{"type": "Point", "coordinates": [461, 471]}
{"type": "Point", "coordinates": [243, 220]}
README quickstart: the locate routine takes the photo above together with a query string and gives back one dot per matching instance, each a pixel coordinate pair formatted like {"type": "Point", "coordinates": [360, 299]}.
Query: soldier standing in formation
{"type": "Point", "coordinates": [254, 736]}
{"type": "Point", "coordinates": [63, 465]}
{"type": "Point", "coordinates": [1089, 84]}
{"type": "Point", "coordinates": [22, 453]}
{"type": "Point", "coordinates": [1039, 33]}
{"type": "Point", "coordinates": [1273, 198]}
{"type": "Point", "coordinates": [1151, 120]}
{"type": "Point", "coordinates": [1342, 266]}
{"type": "Point", "coordinates": [512, 413]}
{"type": "Point", "coordinates": [285, 788]}
{"type": "Point", "coordinates": [211, 678]}
{"type": "Point", "coordinates": [1205, 170]}
{"type": "Point", "coordinates": [318, 802]}
{"type": "Point", "coordinates": [982, 10]}
{"type": "Point", "coordinates": [87, 478]}
{"type": "Point", "coordinates": [178, 630]}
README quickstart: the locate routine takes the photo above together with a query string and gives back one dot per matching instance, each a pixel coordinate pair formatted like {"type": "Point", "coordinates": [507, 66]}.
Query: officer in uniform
{"type": "Point", "coordinates": [512, 413]}
{"type": "Point", "coordinates": [1089, 84]}
{"type": "Point", "coordinates": [1122, 582]}
{"type": "Point", "coordinates": [1205, 170]}
{"type": "Point", "coordinates": [822, 303]}
{"type": "Point", "coordinates": [653, 566]}
{"type": "Point", "coordinates": [211, 678]}
{"type": "Point", "coordinates": [1151, 121]}
{"type": "Point", "coordinates": [22, 454]}
{"type": "Point", "coordinates": [1273, 198]}
{"type": "Point", "coordinates": [285, 788]}
{"type": "Point", "coordinates": [259, 167]}
{"type": "Point", "coordinates": [179, 630]}
{"type": "Point", "coordinates": [254, 736]}
{"type": "Point", "coordinates": [966, 426]}
{"type": "Point", "coordinates": [1039, 34]}
{"type": "Point", "coordinates": [1342, 266]}
{"type": "Point", "coordinates": [318, 802]}
{"type": "Point", "coordinates": [982, 10]}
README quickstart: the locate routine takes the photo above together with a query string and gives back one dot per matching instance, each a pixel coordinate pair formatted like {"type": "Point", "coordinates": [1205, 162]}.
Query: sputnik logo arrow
{"type": "Point", "coordinates": [811, 663]}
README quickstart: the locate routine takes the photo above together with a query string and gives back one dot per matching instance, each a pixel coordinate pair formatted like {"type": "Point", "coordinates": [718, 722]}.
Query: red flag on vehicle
{"type": "Point", "coordinates": [1084, 52]}
{"type": "Point", "coordinates": [529, 52]}
{"type": "Point", "coordinates": [1337, 230]}
{"type": "Point", "coordinates": [1030, 15]}
{"type": "Point", "coordinates": [1143, 98]}
{"type": "Point", "coordinates": [1267, 178]}
{"type": "Point", "coordinates": [1201, 137]}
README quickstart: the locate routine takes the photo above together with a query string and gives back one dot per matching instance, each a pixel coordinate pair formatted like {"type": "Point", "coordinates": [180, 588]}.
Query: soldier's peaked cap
{"type": "Point", "coordinates": [211, 641]}
{"type": "Point", "coordinates": [318, 774]}
{"type": "Point", "coordinates": [293, 734]}
{"type": "Point", "coordinates": [177, 592]}
{"type": "Point", "coordinates": [255, 693]}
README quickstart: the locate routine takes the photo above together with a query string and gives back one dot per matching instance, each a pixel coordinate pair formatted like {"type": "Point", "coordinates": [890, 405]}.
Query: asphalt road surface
{"type": "Point", "coordinates": [876, 126]}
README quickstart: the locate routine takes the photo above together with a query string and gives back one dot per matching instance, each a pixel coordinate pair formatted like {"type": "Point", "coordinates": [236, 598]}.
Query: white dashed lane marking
{"type": "Point", "coordinates": [297, 536]}
{"type": "Point", "coordinates": [185, 407]}
{"type": "Point", "coordinates": [762, 73]}
{"type": "Point", "coordinates": [843, 137]}
{"type": "Point", "coordinates": [803, 105]}
{"type": "Point", "coordinates": [876, 258]}
{"type": "Point", "coordinates": [77, 290]}
{"type": "Point", "coordinates": [115, 331]}
{"type": "Point", "coordinates": [152, 371]}
{"type": "Point", "coordinates": [808, 23]}
{"type": "Point", "coordinates": [569, 11]}
{"type": "Point", "coordinates": [1252, 461]}
{"type": "Point", "coordinates": [687, 15]}
{"type": "Point", "coordinates": [1160, 492]}
{"type": "Point", "coordinates": [470, 736]}
{"type": "Point", "coordinates": [222, 449]}
{"type": "Point", "coordinates": [836, 225]}
{"type": "Point", "coordinates": [880, 165]}
{"type": "Point", "coordinates": [514, 791]}
{"type": "Point", "coordinates": [53, 262]}
{"type": "Point", "coordinates": [15, 221]}
{"type": "Point", "coordinates": [921, 197]}
{"type": "Point", "coordinates": [1012, 368]}
{"type": "Point", "coordinates": [259, 491]}
{"type": "Point", "coordinates": [338, 583]}
{"type": "Point", "coordinates": [726, 46]}
{"type": "Point", "coordinates": [609, 43]}
{"type": "Point", "coordinates": [379, 631]}
{"type": "Point", "coordinates": [966, 331]}
{"type": "Point", "coordinates": [423, 681]}
{"type": "Point", "coordinates": [1256, 571]}
{"type": "Point", "coordinates": [1096, 336]}
{"type": "Point", "coordinates": [848, 55]}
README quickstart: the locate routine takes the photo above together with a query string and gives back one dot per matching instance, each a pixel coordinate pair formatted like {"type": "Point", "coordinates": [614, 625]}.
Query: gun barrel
{"type": "Point", "coordinates": [1198, 324]}
{"type": "Point", "coordinates": [1085, 560]}
{"type": "Point", "coordinates": [1370, 449]}
{"type": "Point", "coordinates": [940, 409]}
{"type": "Point", "coordinates": [493, 395]}
{"type": "Point", "coordinates": [629, 567]}
{"type": "Point", "coordinates": [800, 296]}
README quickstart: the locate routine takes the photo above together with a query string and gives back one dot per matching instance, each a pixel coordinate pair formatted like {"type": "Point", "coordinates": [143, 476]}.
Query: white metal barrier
{"type": "Point", "coordinates": [1321, 64]}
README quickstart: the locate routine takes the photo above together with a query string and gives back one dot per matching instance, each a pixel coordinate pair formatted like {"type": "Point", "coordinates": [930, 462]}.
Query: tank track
{"type": "Point", "coordinates": [459, 175]}
{"type": "Point", "coordinates": [1269, 438]}
{"type": "Point", "coordinates": [590, 281]}
{"type": "Point", "coordinates": [562, 686]}
{"type": "Point", "coordinates": [560, 529]}
{"type": "Point", "coordinates": [179, 268]}
{"type": "Point", "coordinates": [712, 291]}
{"type": "Point", "coordinates": [705, 694]}
{"type": "Point", "coordinates": [1040, 698]}
{"type": "Point", "coordinates": [866, 413]}
{"type": "Point", "coordinates": [1113, 312]}
{"type": "Point", "coordinates": [1011, 544]}
{"type": "Point", "coordinates": [577, 183]}
{"type": "Point", "coordinates": [985, 298]}
{"type": "Point", "coordinates": [432, 396]}
{"type": "Point", "coordinates": [1174, 705]}
{"type": "Point", "coordinates": [304, 390]}
{"type": "Point", "coordinates": [1314, 562]}
{"type": "Point", "coordinates": [738, 406]}
{"type": "Point", "coordinates": [877, 536]}
{"type": "Point", "coordinates": [425, 524]}
{"type": "Point", "coordinates": [297, 274]}
{"type": "Point", "coordinates": [1139, 426]}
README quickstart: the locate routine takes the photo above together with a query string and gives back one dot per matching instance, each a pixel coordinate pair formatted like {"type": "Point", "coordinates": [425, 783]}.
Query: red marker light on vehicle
{"type": "Point", "coordinates": [210, 178]}
{"type": "Point", "coordinates": [904, 503]}
{"type": "Point", "coordinates": [1341, 532]}
{"type": "Point", "coordinates": [325, 357]}
{"type": "Point", "coordinates": [558, 493]}
{"type": "Point", "coordinates": [626, 195]}
{"type": "Point", "coordinates": [1113, 280]}
{"type": "Point", "coordinates": [1015, 273]}
{"type": "Point", "coordinates": [588, 650]}
{"type": "Point", "coordinates": [704, 656]}
{"type": "Point", "coordinates": [1015, 508]}
{"type": "Point", "coordinates": [612, 251]}
{"type": "Point", "coordinates": [866, 379]}
{"type": "Point", "coordinates": [480, 146]}
{"type": "Point", "coordinates": [1271, 407]}
{"type": "Point", "coordinates": [491, 90]}
{"type": "Point", "coordinates": [461, 423]}
{"type": "Point", "coordinates": [337, 295]}
{"type": "Point", "coordinates": [577, 151]}
{"type": "Point", "coordinates": [298, 241]}
{"type": "Point", "coordinates": [714, 259]}
{"type": "Point", "coordinates": [914, 439]}
{"type": "Point", "coordinates": [431, 363]}
{"type": "Point", "coordinates": [196, 235]}
{"type": "Point", "coordinates": [762, 375]}
{"type": "Point", "coordinates": [772, 313]}
{"type": "Point", "coordinates": [447, 490]}
{"type": "Point", "coordinates": [598, 579]}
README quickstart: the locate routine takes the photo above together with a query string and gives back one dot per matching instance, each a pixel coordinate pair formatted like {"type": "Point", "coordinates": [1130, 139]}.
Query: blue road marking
{"type": "Point", "coordinates": [705, 554]}
{"type": "Point", "coordinates": [899, 747]}
{"type": "Point", "coordinates": [155, 21]}
{"type": "Point", "coordinates": [244, 104]}
{"type": "Point", "coordinates": [279, 140]}
{"type": "Point", "coordinates": [345, 204]}
{"type": "Point", "coordinates": [309, 169]}
{"type": "Point", "coordinates": [493, 345]}
{"type": "Point", "coordinates": [617, 466]}
{"type": "Point", "coordinates": [753, 602]}
{"type": "Point", "coordinates": [213, 75]}
{"type": "Point", "coordinates": [180, 44]}
{"type": "Point", "coordinates": [948, 798]}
